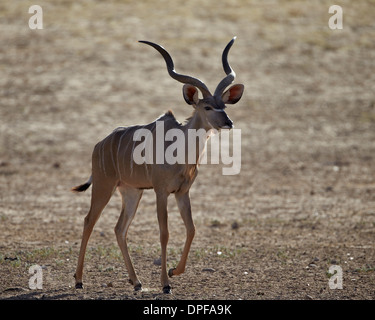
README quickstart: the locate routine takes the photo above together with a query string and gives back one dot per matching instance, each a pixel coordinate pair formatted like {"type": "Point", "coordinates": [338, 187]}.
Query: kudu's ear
{"type": "Point", "coordinates": [190, 94]}
{"type": "Point", "coordinates": [233, 94]}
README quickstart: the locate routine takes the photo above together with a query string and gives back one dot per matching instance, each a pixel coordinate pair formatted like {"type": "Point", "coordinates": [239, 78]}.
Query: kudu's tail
{"type": "Point", "coordinates": [83, 187]}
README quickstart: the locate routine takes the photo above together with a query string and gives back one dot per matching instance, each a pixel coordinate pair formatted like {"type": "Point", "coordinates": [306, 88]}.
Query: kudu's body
{"type": "Point", "coordinates": [113, 167]}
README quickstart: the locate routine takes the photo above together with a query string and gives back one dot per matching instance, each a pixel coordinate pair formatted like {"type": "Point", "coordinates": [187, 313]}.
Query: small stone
{"type": "Point", "coordinates": [208, 270]}
{"type": "Point", "coordinates": [56, 165]}
{"type": "Point", "coordinates": [157, 261]}
{"type": "Point", "coordinates": [107, 285]}
{"type": "Point", "coordinates": [11, 258]}
{"type": "Point", "coordinates": [312, 265]}
{"type": "Point", "coordinates": [235, 225]}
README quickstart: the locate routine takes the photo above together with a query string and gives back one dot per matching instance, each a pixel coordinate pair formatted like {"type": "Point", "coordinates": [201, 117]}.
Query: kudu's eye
{"type": "Point", "coordinates": [207, 108]}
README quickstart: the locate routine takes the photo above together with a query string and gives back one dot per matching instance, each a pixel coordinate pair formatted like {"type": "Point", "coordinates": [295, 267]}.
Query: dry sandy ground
{"type": "Point", "coordinates": [303, 201]}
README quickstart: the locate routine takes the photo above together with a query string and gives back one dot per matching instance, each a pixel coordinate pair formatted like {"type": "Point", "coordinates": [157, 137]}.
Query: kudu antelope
{"type": "Point", "coordinates": [113, 168]}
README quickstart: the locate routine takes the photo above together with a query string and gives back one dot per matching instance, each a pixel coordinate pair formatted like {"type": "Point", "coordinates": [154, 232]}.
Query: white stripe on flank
{"type": "Point", "coordinates": [102, 155]}
{"type": "Point", "coordinates": [112, 156]}
{"type": "Point", "coordinates": [118, 154]}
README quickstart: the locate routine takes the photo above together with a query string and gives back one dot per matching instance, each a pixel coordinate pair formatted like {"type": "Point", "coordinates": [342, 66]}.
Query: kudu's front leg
{"type": "Point", "coordinates": [161, 206]}
{"type": "Point", "coordinates": [183, 202]}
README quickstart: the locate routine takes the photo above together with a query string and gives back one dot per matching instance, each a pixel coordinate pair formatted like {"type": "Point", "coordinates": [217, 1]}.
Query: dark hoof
{"type": "Point", "coordinates": [138, 287]}
{"type": "Point", "coordinates": [79, 285]}
{"type": "Point", "coordinates": [167, 289]}
{"type": "Point", "coordinates": [170, 272]}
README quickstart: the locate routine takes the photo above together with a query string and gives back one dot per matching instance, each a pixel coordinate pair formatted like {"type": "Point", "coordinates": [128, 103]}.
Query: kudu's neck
{"type": "Point", "coordinates": [196, 136]}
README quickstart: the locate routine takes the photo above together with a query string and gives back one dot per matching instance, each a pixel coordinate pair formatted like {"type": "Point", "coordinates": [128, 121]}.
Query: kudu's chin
{"type": "Point", "coordinates": [226, 127]}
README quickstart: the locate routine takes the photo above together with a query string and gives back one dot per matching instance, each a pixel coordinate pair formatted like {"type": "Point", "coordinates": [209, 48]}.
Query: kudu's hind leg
{"type": "Point", "coordinates": [130, 201]}
{"type": "Point", "coordinates": [101, 193]}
